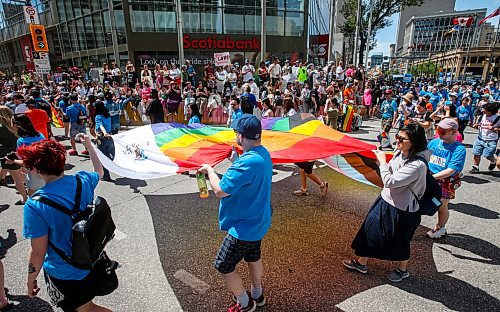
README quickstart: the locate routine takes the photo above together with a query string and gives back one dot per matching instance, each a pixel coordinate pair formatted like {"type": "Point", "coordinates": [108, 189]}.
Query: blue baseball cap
{"type": "Point", "coordinates": [249, 126]}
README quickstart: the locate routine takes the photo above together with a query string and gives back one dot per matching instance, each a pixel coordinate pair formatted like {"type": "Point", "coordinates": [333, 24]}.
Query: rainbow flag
{"type": "Point", "coordinates": [165, 149]}
{"type": "Point", "coordinates": [55, 119]}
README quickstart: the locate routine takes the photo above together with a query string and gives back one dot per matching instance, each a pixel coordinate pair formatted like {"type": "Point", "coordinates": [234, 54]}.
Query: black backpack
{"type": "Point", "coordinates": [430, 201]}
{"type": "Point", "coordinates": [92, 229]}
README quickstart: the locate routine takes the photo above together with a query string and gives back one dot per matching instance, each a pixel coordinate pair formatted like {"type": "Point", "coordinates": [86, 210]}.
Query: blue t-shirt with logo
{"type": "Point", "coordinates": [28, 140]}
{"type": "Point", "coordinates": [41, 220]}
{"type": "Point", "coordinates": [388, 109]}
{"type": "Point", "coordinates": [446, 156]}
{"type": "Point", "coordinates": [100, 120]}
{"type": "Point", "coordinates": [74, 111]}
{"type": "Point", "coordinates": [246, 212]}
{"type": "Point", "coordinates": [434, 100]}
{"type": "Point", "coordinates": [464, 112]}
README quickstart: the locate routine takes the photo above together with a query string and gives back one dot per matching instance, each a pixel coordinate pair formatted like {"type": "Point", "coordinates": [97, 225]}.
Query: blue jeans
{"type": "Point", "coordinates": [107, 147]}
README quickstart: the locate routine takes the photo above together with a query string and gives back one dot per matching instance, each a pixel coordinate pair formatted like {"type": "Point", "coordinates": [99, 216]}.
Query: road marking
{"type": "Point", "coordinates": [119, 235]}
{"type": "Point", "coordinates": [192, 281]}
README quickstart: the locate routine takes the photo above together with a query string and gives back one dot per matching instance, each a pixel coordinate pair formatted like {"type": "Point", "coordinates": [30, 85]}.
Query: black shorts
{"type": "Point", "coordinates": [307, 166]}
{"type": "Point", "coordinates": [76, 292]}
{"type": "Point", "coordinates": [65, 119]}
{"type": "Point", "coordinates": [233, 250]}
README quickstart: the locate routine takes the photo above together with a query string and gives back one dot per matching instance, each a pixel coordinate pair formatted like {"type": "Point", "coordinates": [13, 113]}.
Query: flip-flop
{"type": "Point", "coordinates": [20, 202]}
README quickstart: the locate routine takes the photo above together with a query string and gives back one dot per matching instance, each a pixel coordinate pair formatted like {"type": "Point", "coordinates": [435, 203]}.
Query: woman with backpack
{"type": "Point", "coordinates": [394, 216]}
{"type": "Point", "coordinates": [70, 288]}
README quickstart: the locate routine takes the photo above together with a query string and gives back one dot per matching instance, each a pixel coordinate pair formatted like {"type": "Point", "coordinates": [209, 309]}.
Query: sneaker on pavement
{"type": "Point", "coordinates": [260, 302]}
{"type": "Point", "coordinates": [492, 166]}
{"type": "Point", "coordinates": [474, 170]}
{"type": "Point", "coordinates": [355, 266]}
{"type": "Point", "coordinates": [72, 152]}
{"type": "Point", "coordinates": [236, 307]}
{"type": "Point", "coordinates": [397, 275]}
{"type": "Point", "coordinates": [437, 234]}
{"type": "Point", "coordinates": [301, 192]}
{"type": "Point", "coordinates": [85, 152]}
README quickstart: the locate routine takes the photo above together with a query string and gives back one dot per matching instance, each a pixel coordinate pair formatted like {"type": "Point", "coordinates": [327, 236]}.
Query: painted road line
{"type": "Point", "coordinates": [192, 281]}
{"type": "Point", "coordinates": [119, 235]}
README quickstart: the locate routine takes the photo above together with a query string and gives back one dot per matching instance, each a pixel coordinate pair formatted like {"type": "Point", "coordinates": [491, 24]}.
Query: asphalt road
{"type": "Point", "coordinates": [168, 237]}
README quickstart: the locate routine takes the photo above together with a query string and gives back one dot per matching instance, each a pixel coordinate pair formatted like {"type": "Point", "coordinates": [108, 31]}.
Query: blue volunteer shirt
{"type": "Point", "coordinates": [28, 140]}
{"type": "Point", "coordinates": [74, 110]}
{"type": "Point", "coordinates": [194, 119]}
{"type": "Point", "coordinates": [41, 220]}
{"type": "Point", "coordinates": [464, 112]}
{"type": "Point", "coordinates": [388, 109]}
{"type": "Point", "coordinates": [246, 212]}
{"type": "Point", "coordinates": [63, 106]}
{"type": "Point", "coordinates": [434, 100]}
{"type": "Point", "coordinates": [235, 116]}
{"type": "Point", "coordinates": [446, 156]}
{"type": "Point", "coordinates": [100, 120]}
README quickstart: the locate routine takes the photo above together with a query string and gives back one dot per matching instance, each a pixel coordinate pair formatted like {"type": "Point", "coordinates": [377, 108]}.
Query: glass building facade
{"type": "Point", "coordinates": [80, 31]}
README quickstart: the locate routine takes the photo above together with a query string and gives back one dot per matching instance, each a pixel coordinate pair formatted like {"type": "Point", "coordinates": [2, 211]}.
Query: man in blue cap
{"type": "Point", "coordinates": [244, 212]}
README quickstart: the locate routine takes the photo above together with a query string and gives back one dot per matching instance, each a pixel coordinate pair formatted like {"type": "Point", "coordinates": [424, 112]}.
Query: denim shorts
{"type": "Point", "coordinates": [233, 250]}
{"type": "Point", "coordinates": [76, 128]}
{"type": "Point", "coordinates": [484, 148]}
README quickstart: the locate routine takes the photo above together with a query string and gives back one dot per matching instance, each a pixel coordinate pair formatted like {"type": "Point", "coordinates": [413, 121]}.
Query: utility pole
{"type": "Point", "coordinates": [356, 36]}
{"type": "Point", "coordinates": [180, 42]}
{"type": "Point", "coordinates": [369, 33]}
{"type": "Point", "coordinates": [333, 29]}
{"type": "Point", "coordinates": [114, 35]}
{"type": "Point", "coordinates": [263, 31]}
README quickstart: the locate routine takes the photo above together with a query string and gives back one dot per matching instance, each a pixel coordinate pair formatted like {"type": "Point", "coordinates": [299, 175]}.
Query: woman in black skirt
{"type": "Point", "coordinates": [393, 218]}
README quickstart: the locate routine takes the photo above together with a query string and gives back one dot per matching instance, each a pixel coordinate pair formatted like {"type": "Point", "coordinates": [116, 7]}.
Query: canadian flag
{"type": "Point", "coordinates": [463, 21]}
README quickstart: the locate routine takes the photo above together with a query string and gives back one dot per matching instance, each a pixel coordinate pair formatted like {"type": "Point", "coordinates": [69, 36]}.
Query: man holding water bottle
{"type": "Point", "coordinates": [244, 212]}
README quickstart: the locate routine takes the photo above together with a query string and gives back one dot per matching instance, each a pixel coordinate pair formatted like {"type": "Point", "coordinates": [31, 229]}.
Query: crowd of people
{"type": "Point", "coordinates": [430, 119]}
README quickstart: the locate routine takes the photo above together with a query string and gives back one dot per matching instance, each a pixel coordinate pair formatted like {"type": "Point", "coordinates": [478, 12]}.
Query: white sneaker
{"type": "Point", "coordinates": [437, 234]}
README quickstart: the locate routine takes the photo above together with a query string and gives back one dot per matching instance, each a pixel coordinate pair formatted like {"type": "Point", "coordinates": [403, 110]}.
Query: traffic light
{"type": "Point", "coordinates": [39, 38]}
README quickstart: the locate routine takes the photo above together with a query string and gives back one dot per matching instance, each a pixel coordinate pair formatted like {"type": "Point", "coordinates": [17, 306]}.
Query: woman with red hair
{"type": "Point", "coordinates": [72, 289]}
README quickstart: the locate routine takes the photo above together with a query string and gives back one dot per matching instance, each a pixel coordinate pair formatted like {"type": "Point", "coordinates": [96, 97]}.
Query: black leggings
{"type": "Point", "coordinates": [462, 124]}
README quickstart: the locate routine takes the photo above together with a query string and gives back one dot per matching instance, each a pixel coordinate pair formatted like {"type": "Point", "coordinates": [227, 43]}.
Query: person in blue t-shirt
{"type": "Point", "coordinates": [114, 111]}
{"type": "Point", "coordinates": [76, 114]}
{"type": "Point", "coordinates": [194, 114]}
{"type": "Point", "coordinates": [465, 115]}
{"type": "Point", "coordinates": [235, 114]}
{"type": "Point", "coordinates": [244, 212]}
{"type": "Point", "coordinates": [71, 288]}
{"type": "Point", "coordinates": [446, 164]}
{"type": "Point", "coordinates": [388, 109]}
{"type": "Point", "coordinates": [63, 108]}
{"type": "Point", "coordinates": [435, 98]}
{"type": "Point", "coordinates": [103, 131]}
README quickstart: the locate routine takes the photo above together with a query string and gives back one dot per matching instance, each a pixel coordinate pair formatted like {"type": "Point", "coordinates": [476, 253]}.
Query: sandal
{"type": "Point", "coordinates": [324, 189]}
{"type": "Point", "coordinates": [20, 202]}
{"type": "Point", "coordinates": [301, 192]}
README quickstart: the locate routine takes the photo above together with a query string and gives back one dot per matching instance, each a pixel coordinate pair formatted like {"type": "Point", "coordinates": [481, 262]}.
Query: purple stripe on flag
{"type": "Point", "coordinates": [162, 127]}
{"type": "Point", "coordinates": [268, 122]}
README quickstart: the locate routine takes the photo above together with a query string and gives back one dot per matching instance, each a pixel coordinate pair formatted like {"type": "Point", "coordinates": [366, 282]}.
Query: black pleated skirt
{"type": "Point", "coordinates": [386, 232]}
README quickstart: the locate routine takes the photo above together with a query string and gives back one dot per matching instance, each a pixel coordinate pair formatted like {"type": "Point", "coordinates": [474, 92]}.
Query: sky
{"type": "Point", "coordinates": [387, 35]}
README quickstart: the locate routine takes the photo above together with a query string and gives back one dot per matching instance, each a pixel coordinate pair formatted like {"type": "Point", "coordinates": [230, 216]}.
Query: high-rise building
{"type": "Point", "coordinates": [80, 31]}
{"type": "Point", "coordinates": [429, 7]}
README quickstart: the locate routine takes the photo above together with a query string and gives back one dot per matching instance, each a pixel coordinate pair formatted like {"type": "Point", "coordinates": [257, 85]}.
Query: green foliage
{"type": "Point", "coordinates": [427, 69]}
{"type": "Point", "coordinates": [381, 10]}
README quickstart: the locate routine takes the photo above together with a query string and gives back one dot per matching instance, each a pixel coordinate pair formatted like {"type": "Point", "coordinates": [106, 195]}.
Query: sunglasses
{"type": "Point", "coordinates": [442, 131]}
{"type": "Point", "coordinates": [400, 139]}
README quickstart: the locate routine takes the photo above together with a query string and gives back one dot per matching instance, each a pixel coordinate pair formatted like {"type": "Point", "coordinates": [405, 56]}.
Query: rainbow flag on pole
{"type": "Point", "coordinates": [55, 119]}
{"type": "Point", "coordinates": [160, 150]}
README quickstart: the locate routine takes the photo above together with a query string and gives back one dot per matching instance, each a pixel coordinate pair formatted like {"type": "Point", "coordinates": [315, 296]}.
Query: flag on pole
{"type": "Point", "coordinates": [463, 21]}
{"type": "Point", "coordinates": [495, 13]}
{"type": "Point", "coordinates": [451, 31]}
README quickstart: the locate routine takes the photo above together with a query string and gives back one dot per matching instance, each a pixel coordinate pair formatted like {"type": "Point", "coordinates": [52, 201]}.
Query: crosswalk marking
{"type": "Point", "coordinates": [192, 281]}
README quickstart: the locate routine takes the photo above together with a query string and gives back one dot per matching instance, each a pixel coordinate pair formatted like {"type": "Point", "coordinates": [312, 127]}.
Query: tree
{"type": "Point", "coordinates": [424, 69]}
{"type": "Point", "coordinates": [381, 10]}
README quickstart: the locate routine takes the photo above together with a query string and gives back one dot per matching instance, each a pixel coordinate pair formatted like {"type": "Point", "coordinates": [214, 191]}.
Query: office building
{"type": "Point", "coordinates": [80, 31]}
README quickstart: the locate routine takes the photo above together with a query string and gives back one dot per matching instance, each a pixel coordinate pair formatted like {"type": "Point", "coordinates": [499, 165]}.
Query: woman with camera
{"type": "Point", "coordinates": [69, 288]}
{"type": "Point", "coordinates": [394, 217]}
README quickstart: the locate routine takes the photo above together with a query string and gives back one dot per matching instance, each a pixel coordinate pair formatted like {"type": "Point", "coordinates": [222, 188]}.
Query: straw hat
{"type": "Point", "coordinates": [408, 97]}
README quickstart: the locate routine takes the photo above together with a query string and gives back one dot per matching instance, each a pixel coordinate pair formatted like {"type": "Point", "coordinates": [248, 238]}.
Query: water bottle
{"type": "Point", "coordinates": [202, 185]}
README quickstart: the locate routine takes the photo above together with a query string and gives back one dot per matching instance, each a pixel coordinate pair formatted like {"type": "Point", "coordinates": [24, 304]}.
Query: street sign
{"type": "Point", "coordinates": [407, 77]}
{"type": "Point", "coordinates": [30, 15]}
{"type": "Point", "coordinates": [42, 63]}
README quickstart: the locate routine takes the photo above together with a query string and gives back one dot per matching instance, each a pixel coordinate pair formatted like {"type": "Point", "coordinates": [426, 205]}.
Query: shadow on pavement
{"type": "Point", "coordinates": [7, 243]}
{"type": "Point", "coordinates": [24, 303]}
{"type": "Point", "coordinates": [474, 180]}
{"type": "Point", "coordinates": [133, 183]}
{"type": "Point", "coordinates": [489, 253]}
{"type": "Point", "coordinates": [4, 207]}
{"type": "Point", "coordinates": [474, 210]}
{"type": "Point", "coordinates": [302, 251]}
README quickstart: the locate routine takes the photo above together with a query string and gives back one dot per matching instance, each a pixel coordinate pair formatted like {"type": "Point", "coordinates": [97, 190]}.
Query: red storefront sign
{"type": "Point", "coordinates": [217, 43]}
{"type": "Point", "coordinates": [27, 52]}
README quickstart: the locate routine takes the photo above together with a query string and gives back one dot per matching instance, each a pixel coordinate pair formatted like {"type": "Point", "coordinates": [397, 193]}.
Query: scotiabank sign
{"type": "Point", "coordinates": [221, 43]}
